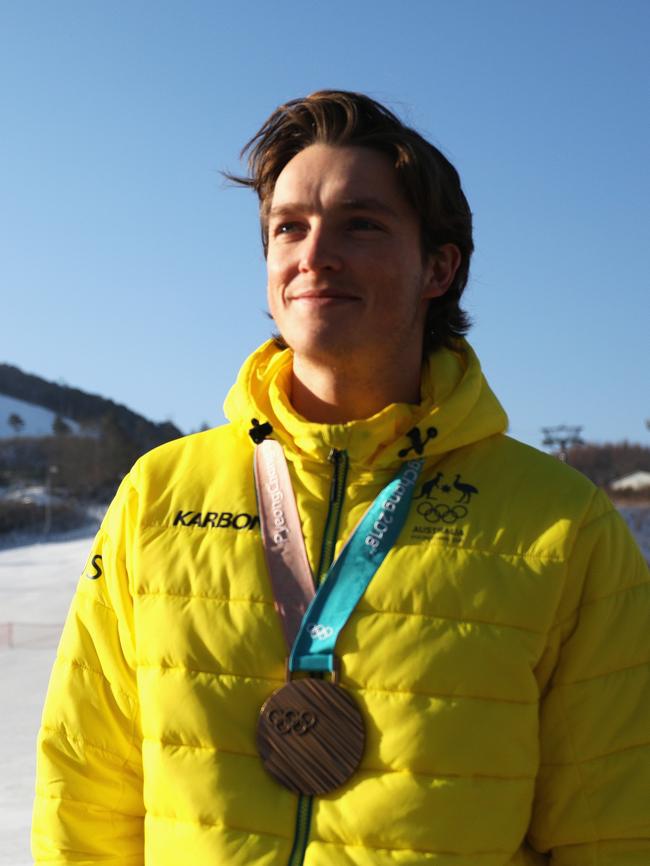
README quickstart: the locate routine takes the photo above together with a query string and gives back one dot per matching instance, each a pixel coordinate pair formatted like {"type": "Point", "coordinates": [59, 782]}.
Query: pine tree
{"type": "Point", "coordinates": [59, 427]}
{"type": "Point", "coordinates": [16, 423]}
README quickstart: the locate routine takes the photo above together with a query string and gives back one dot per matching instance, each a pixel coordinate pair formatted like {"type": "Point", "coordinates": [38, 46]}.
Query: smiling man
{"type": "Point", "coordinates": [358, 624]}
{"type": "Point", "coordinates": [348, 282]}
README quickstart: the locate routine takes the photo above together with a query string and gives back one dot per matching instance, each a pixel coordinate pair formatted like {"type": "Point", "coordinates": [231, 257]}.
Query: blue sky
{"type": "Point", "coordinates": [129, 268]}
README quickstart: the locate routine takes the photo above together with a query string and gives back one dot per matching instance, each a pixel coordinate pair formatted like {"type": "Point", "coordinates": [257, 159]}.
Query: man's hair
{"type": "Point", "coordinates": [429, 181]}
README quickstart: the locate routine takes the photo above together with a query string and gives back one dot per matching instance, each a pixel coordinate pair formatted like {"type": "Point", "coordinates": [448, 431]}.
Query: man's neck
{"type": "Point", "coordinates": [329, 394]}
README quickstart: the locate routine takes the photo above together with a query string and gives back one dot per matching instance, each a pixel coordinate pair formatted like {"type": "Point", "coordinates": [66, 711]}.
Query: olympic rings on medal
{"type": "Point", "coordinates": [320, 632]}
{"type": "Point", "coordinates": [434, 512]}
{"type": "Point", "coordinates": [291, 722]}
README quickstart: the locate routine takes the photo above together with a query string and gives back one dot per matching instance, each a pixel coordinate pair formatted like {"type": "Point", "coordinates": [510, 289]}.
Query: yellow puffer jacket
{"type": "Point", "coordinates": [499, 656]}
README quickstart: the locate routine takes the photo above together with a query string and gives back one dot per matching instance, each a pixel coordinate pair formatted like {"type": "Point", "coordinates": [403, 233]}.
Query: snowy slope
{"type": "Point", "coordinates": [36, 584]}
{"type": "Point", "coordinates": [37, 581]}
{"type": "Point", "coordinates": [38, 421]}
{"type": "Point", "coordinates": [23, 681]}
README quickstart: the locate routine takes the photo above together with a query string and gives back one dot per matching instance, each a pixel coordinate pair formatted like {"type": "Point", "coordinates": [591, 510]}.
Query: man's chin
{"type": "Point", "coordinates": [323, 343]}
{"type": "Point", "coordinates": [313, 338]}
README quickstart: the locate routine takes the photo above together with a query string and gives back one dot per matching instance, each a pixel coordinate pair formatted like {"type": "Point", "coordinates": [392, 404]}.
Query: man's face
{"type": "Point", "coordinates": [346, 277]}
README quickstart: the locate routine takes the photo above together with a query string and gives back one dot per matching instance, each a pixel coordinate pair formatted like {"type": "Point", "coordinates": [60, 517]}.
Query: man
{"type": "Point", "coordinates": [497, 655]}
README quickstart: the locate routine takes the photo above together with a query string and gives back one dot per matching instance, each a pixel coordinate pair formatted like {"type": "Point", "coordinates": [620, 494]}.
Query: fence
{"type": "Point", "coordinates": [29, 635]}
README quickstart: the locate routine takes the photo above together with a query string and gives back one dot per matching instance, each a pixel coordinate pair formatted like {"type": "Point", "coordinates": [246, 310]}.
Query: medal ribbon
{"type": "Point", "coordinates": [323, 614]}
{"type": "Point", "coordinates": [284, 546]}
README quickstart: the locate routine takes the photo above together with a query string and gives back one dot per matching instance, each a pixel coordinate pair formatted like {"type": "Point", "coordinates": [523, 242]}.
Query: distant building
{"type": "Point", "coordinates": [635, 481]}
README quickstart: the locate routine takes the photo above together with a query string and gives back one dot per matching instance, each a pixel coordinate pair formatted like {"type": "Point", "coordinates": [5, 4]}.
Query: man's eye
{"type": "Point", "coordinates": [286, 228]}
{"type": "Point", "coordinates": [363, 224]}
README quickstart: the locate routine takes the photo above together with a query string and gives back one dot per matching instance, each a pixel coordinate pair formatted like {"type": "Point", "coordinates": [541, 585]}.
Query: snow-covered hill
{"type": "Point", "coordinates": [38, 421]}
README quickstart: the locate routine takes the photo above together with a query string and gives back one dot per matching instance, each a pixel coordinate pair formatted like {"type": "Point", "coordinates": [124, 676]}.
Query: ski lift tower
{"type": "Point", "coordinates": [561, 438]}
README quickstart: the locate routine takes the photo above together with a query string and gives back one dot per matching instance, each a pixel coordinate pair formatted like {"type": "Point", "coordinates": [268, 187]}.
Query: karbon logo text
{"type": "Point", "coordinates": [216, 519]}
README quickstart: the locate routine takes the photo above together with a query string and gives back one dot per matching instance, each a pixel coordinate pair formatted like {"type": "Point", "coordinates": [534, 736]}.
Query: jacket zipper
{"type": "Point", "coordinates": [337, 491]}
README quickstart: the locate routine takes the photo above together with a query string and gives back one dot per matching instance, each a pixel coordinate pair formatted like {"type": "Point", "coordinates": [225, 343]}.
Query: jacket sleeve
{"type": "Point", "coordinates": [89, 805]}
{"type": "Point", "coordinates": [592, 803]}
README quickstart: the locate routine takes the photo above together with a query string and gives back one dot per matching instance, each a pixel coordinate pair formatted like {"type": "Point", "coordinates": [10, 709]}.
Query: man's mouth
{"type": "Point", "coordinates": [323, 296]}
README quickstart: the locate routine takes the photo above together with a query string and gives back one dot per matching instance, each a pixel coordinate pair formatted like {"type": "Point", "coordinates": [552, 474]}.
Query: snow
{"type": "Point", "coordinates": [38, 421]}
{"type": "Point", "coordinates": [36, 584]}
{"type": "Point", "coordinates": [23, 674]}
{"type": "Point", "coordinates": [37, 581]}
{"type": "Point", "coordinates": [635, 481]}
{"type": "Point", "coordinates": [36, 494]}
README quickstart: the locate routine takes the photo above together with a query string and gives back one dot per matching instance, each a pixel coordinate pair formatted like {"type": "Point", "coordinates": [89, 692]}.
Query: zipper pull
{"type": "Point", "coordinates": [334, 457]}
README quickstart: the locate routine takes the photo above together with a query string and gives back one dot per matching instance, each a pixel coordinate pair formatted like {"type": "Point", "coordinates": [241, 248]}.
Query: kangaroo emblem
{"type": "Point", "coordinates": [417, 444]}
{"type": "Point", "coordinates": [429, 486]}
{"type": "Point", "coordinates": [465, 490]}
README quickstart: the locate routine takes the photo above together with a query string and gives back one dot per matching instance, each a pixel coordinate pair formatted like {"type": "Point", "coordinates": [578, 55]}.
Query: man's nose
{"type": "Point", "coordinates": [319, 251]}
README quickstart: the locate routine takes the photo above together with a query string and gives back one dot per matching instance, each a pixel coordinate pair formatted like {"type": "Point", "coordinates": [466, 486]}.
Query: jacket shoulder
{"type": "Point", "coordinates": [541, 465]}
{"type": "Point", "coordinates": [521, 472]}
{"type": "Point", "coordinates": [202, 451]}
{"type": "Point", "coordinates": [192, 473]}
{"type": "Point", "coordinates": [530, 503]}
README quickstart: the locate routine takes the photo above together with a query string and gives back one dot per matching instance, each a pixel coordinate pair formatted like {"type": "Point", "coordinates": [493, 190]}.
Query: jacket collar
{"type": "Point", "coordinates": [457, 407]}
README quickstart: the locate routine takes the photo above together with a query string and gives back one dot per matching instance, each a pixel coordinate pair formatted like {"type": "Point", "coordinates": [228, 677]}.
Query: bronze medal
{"type": "Point", "coordinates": [310, 735]}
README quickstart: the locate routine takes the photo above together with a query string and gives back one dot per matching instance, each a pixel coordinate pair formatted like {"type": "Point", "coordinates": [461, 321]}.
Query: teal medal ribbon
{"type": "Point", "coordinates": [351, 573]}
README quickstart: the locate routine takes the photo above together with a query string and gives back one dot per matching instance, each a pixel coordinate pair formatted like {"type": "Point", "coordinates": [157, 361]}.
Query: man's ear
{"type": "Point", "coordinates": [440, 270]}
